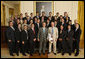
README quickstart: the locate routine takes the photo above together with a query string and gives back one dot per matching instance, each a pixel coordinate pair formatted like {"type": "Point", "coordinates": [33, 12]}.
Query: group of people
{"type": "Point", "coordinates": [57, 32]}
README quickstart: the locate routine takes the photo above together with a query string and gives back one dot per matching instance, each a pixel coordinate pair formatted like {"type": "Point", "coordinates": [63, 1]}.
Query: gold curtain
{"type": "Point", "coordinates": [81, 21]}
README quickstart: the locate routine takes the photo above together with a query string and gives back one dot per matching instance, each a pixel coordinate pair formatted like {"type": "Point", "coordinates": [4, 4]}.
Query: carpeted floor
{"type": "Point", "coordinates": [5, 54]}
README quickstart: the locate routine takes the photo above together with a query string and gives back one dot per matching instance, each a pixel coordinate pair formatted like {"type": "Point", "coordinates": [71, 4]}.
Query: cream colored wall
{"type": "Point", "coordinates": [7, 6]}
{"type": "Point", "coordinates": [69, 6]}
{"type": "Point", "coordinates": [26, 6]}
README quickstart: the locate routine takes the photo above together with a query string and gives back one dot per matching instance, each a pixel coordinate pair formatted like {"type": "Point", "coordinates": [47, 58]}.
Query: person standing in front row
{"type": "Point", "coordinates": [32, 39]}
{"type": "Point", "coordinates": [25, 42]}
{"type": "Point", "coordinates": [18, 39]}
{"type": "Point", "coordinates": [42, 38]}
{"type": "Point", "coordinates": [54, 35]}
{"type": "Point", "coordinates": [11, 38]}
{"type": "Point", "coordinates": [77, 34]}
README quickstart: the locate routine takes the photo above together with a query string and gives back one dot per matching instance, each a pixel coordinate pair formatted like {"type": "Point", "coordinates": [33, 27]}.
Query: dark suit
{"type": "Point", "coordinates": [24, 37]}
{"type": "Point", "coordinates": [65, 18]}
{"type": "Point", "coordinates": [77, 34]}
{"type": "Point", "coordinates": [10, 33]}
{"type": "Point", "coordinates": [64, 25]}
{"type": "Point", "coordinates": [36, 16]}
{"type": "Point", "coordinates": [31, 42]}
{"type": "Point", "coordinates": [45, 18]}
{"type": "Point", "coordinates": [24, 18]}
{"type": "Point", "coordinates": [61, 44]}
{"type": "Point", "coordinates": [18, 38]}
{"type": "Point", "coordinates": [36, 32]}
{"type": "Point", "coordinates": [69, 40]}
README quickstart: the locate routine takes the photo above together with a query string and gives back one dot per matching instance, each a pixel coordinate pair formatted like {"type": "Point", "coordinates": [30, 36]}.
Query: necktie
{"type": "Point", "coordinates": [52, 30]}
{"type": "Point", "coordinates": [44, 30]}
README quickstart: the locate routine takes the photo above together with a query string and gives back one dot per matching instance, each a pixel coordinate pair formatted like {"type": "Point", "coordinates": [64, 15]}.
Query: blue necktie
{"type": "Point", "coordinates": [44, 30]}
{"type": "Point", "coordinates": [52, 30]}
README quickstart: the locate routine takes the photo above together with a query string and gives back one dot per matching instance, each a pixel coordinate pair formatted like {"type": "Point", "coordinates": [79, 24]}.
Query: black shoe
{"type": "Point", "coordinates": [39, 54]}
{"type": "Point", "coordinates": [62, 53]}
{"type": "Point", "coordinates": [76, 54]}
{"type": "Point", "coordinates": [58, 52]}
{"type": "Point", "coordinates": [24, 54]}
{"type": "Point", "coordinates": [54, 53]}
{"type": "Point", "coordinates": [11, 55]}
{"type": "Point", "coordinates": [70, 54]}
{"type": "Point", "coordinates": [43, 53]}
{"type": "Point", "coordinates": [31, 54]}
{"type": "Point", "coordinates": [48, 52]}
{"type": "Point", "coordinates": [27, 52]}
{"type": "Point", "coordinates": [17, 54]}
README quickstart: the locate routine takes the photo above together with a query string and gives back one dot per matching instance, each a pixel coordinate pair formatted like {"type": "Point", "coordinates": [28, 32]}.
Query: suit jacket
{"type": "Point", "coordinates": [55, 34]}
{"type": "Point", "coordinates": [65, 18]}
{"type": "Point", "coordinates": [52, 18]}
{"type": "Point", "coordinates": [10, 33]}
{"type": "Point", "coordinates": [77, 34]}
{"type": "Point", "coordinates": [64, 25]}
{"type": "Point", "coordinates": [32, 35]}
{"type": "Point", "coordinates": [70, 34]}
{"type": "Point", "coordinates": [45, 19]}
{"type": "Point", "coordinates": [24, 36]}
{"type": "Point", "coordinates": [36, 16]}
{"type": "Point", "coordinates": [18, 35]}
{"type": "Point", "coordinates": [41, 34]}
{"type": "Point", "coordinates": [24, 18]}
{"type": "Point", "coordinates": [37, 28]}
{"type": "Point", "coordinates": [62, 35]}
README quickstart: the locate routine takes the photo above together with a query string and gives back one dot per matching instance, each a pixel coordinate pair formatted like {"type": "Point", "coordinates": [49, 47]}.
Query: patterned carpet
{"type": "Point", "coordinates": [5, 54]}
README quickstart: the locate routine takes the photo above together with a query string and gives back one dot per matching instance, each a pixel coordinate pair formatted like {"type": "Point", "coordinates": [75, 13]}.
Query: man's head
{"type": "Point", "coordinates": [55, 22]}
{"type": "Point", "coordinates": [31, 14]}
{"type": "Point", "coordinates": [57, 14]}
{"type": "Point", "coordinates": [35, 19]}
{"type": "Point", "coordinates": [25, 21]}
{"type": "Point", "coordinates": [62, 20]}
{"type": "Point", "coordinates": [31, 21]}
{"type": "Point", "coordinates": [27, 17]}
{"type": "Point", "coordinates": [77, 25]}
{"type": "Point", "coordinates": [75, 21]}
{"type": "Point", "coordinates": [43, 24]}
{"type": "Point", "coordinates": [32, 25]}
{"type": "Point", "coordinates": [18, 21]}
{"type": "Point", "coordinates": [61, 16]}
{"type": "Point", "coordinates": [65, 14]}
{"type": "Point", "coordinates": [69, 26]}
{"type": "Point", "coordinates": [19, 25]}
{"type": "Point", "coordinates": [10, 23]}
{"type": "Point", "coordinates": [61, 27]}
{"type": "Point", "coordinates": [37, 13]}
{"type": "Point", "coordinates": [52, 24]}
{"type": "Point", "coordinates": [25, 27]}
{"type": "Point", "coordinates": [38, 20]}
{"type": "Point", "coordinates": [50, 13]}
{"type": "Point", "coordinates": [43, 13]}
{"type": "Point", "coordinates": [26, 14]}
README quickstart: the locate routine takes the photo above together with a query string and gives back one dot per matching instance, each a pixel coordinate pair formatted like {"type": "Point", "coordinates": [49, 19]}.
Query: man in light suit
{"type": "Point", "coordinates": [54, 34]}
{"type": "Point", "coordinates": [42, 37]}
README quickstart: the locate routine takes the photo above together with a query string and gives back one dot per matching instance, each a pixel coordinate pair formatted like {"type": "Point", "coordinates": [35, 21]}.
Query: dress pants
{"type": "Point", "coordinates": [11, 46]}
{"type": "Point", "coordinates": [42, 45]}
{"type": "Point", "coordinates": [54, 46]}
{"type": "Point", "coordinates": [69, 46]}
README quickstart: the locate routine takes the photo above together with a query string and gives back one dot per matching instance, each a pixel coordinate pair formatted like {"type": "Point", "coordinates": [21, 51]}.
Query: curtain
{"type": "Point", "coordinates": [81, 21]}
